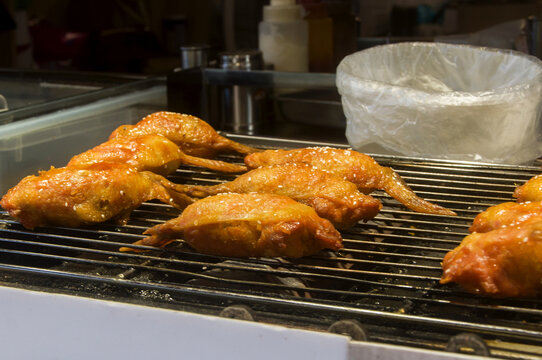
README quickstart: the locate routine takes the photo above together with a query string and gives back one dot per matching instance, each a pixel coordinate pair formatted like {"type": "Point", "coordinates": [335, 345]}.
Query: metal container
{"type": "Point", "coordinates": [194, 56]}
{"type": "Point", "coordinates": [243, 107]}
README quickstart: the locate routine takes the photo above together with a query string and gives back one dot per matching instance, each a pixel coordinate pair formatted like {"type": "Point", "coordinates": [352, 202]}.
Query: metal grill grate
{"type": "Point", "coordinates": [386, 277]}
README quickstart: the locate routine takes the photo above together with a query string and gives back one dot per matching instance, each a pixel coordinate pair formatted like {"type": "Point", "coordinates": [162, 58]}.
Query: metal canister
{"type": "Point", "coordinates": [194, 56]}
{"type": "Point", "coordinates": [242, 107]}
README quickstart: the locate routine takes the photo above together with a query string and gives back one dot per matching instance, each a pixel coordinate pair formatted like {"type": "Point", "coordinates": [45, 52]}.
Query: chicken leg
{"type": "Point", "coordinates": [506, 262]}
{"type": "Point", "coordinates": [505, 214]}
{"type": "Point", "coordinates": [353, 166]}
{"type": "Point", "coordinates": [148, 153]}
{"type": "Point", "coordinates": [531, 190]}
{"type": "Point", "coordinates": [194, 136]}
{"type": "Point", "coordinates": [75, 196]}
{"type": "Point", "coordinates": [333, 198]}
{"type": "Point", "coordinates": [248, 225]}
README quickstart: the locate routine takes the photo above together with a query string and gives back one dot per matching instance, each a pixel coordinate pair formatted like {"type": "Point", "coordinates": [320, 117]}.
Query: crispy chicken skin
{"type": "Point", "coordinates": [248, 225]}
{"type": "Point", "coordinates": [505, 262]}
{"type": "Point", "coordinates": [75, 196]}
{"type": "Point", "coordinates": [333, 198]}
{"type": "Point", "coordinates": [352, 166]}
{"type": "Point", "coordinates": [530, 191]}
{"type": "Point", "coordinates": [505, 214]}
{"type": "Point", "coordinates": [193, 135]}
{"type": "Point", "coordinates": [150, 152]}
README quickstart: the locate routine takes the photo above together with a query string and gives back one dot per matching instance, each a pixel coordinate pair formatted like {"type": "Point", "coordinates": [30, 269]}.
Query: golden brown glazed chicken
{"type": "Point", "coordinates": [248, 225]}
{"type": "Point", "coordinates": [194, 136]}
{"type": "Point", "coordinates": [505, 214]}
{"type": "Point", "coordinates": [150, 152]}
{"type": "Point", "coordinates": [530, 191]}
{"type": "Point", "coordinates": [352, 166]}
{"type": "Point", "coordinates": [74, 196]}
{"type": "Point", "coordinates": [506, 262]}
{"type": "Point", "coordinates": [333, 198]}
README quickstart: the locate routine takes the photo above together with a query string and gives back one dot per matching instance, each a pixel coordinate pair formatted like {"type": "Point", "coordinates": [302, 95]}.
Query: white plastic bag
{"type": "Point", "coordinates": [444, 101]}
{"type": "Point", "coordinates": [3, 103]}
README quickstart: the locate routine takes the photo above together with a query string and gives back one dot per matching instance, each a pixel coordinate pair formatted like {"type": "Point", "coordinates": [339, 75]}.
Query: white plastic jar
{"type": "Point", "coordinates": [283, 37]}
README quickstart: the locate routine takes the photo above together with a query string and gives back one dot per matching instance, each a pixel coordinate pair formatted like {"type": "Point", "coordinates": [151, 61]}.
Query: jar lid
{"type": "Point", "coordinates": [282, 11]}
{"type": "Point", "coordinates": [241, 60]}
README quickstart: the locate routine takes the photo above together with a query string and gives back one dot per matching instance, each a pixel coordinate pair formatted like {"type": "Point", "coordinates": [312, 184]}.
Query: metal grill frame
{"type": "Point", "coordinates": [386, 277]}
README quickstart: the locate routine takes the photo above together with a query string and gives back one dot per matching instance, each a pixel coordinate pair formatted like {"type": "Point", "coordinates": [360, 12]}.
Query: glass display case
{"type": "Point", "coordinates": [26, 93]}
{"type": "Point", "coordinates": [56, 120]}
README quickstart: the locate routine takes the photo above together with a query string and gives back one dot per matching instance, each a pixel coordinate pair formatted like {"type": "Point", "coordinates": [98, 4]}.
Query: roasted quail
{"type": "Point", "coordinates": [150, 152]}
{"type": "Point", "coordinates": [506, 262]}
{"type": "Point", "coordinates": [194, 136]}
{"type": "Point", "coordinates": [75, 196]}
{"type": "Point", "coordinates": [248, 225]}
{"type": "Point", "coordinates": [333, 198]}
{"type": "Point", "coordinates": [353, 166]}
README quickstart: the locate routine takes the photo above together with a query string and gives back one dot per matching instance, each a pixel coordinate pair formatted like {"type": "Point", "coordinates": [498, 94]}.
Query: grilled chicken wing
{"type": "Point", "coordinates": [74, 196]}
{"type": "Point", "coordinates": [150, 152]}
{"type": "Point", "coordinates": [248, 225]}
{"type": "Point", "coordinates": [506, 262]}
{"type": "Point", "coordinates": [505, 214]}
{"type": "Point", "coordinates": [353, 166]}
{"type": "Point", "coordinates": [333, 198]}
{"type": "Point", "coordinates": [193, 135]}
{"type": "Point", "coordinates": [530, 191]}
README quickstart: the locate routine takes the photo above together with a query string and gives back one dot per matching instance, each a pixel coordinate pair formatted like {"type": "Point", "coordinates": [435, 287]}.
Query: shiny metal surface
{"type": "Point", "coordinates": [194, 56]}
{"type": "Point", "coordinates": [243, 107]}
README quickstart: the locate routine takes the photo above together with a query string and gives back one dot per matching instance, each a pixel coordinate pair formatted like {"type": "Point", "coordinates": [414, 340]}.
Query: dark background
{"type": "Point", "coordinates": [143, 36]}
